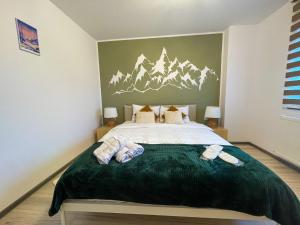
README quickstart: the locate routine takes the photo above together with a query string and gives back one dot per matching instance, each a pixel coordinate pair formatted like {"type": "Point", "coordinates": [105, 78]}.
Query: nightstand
{"type": "Point", "coordinates": [101, 131]}
{"type": "Point", "coordinates": [221, 131]}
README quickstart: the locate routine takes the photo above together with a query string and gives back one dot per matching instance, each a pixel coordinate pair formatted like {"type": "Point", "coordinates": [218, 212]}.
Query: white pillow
{"type": "Point", "coordinates": [161, 113]}
{"type": "Point", "coordinates": [137, 108]}
{"type": "Point", "coordinates": [145, 117]}
{"type": "Point", "coordinates": [186, 119]}
{"type": "Point", "coordinates": [183, 109]}
{"type": "Point", "coordinates": [156, 109]}
{"type": "Point", "coordinates": [174, 117]}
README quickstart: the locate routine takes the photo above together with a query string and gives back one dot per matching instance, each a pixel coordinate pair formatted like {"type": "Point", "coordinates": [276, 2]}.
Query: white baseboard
{"type": "Point", "coordinates": [290, 162]}
{"type": "Point", "coordinates": [286, 158]}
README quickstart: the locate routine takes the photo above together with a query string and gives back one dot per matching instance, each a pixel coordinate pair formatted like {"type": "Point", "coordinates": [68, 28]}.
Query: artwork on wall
{"type": "Point", "coordinates": [161, 71]}
{"type": "Point", "coordinates": [154, 75]}
{"type": "Point", "coordinates": [28, 37]}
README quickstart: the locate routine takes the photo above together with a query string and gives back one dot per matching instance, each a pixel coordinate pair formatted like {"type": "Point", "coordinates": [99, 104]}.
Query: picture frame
{"type": "Point", "coordinates": [27, 37]}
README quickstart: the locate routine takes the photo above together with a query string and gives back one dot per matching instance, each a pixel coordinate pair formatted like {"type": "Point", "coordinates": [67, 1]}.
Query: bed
{"type": "Point", "coordinates": [170, 179]}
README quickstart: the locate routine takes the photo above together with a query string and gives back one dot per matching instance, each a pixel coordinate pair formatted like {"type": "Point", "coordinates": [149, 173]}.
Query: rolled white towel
{"type": "Point", "coordinates": [130, 151]}
{"type": "Point", "coordinates": [122, 141]}
{"type": "Point", "coordinates": [109, 148]}
{"type": "Point", "coordinates": [122, 156]}
{"type": "Point", "coordinates": [212, 152]}
{"type": "Point", "coordinates": [230, 159]}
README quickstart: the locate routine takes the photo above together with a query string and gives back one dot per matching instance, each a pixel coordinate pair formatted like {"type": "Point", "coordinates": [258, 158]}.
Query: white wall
{"type": "Point", "coordinates": [269, 130]}
{"type": "Point", "coordinates": [257, 57]}
{"type": "Point", "coordinates": [240, 58]}
{"type": "Point", "coordinates": [49, 104]}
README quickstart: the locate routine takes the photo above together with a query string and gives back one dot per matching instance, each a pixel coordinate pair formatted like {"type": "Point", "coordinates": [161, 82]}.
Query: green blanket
{"type": "Point", "coordinates": [175, 175]}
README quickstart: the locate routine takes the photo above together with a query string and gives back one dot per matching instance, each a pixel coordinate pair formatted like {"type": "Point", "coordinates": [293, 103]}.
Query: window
{"type": "Point", "coordinates": [291, 99]}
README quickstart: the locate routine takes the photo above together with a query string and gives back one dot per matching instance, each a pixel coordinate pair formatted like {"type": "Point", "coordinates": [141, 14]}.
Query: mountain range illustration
{"type": "Point", "coordinates": [147, 75]}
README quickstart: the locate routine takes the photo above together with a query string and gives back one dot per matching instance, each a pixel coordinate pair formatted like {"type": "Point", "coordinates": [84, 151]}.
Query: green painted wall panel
{"type": "Point", "coordinates": [200, 50]}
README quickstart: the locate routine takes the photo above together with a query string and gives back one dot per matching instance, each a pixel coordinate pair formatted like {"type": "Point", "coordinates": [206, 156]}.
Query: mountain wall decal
{"type": "Point", "coordinates": [147, 75]}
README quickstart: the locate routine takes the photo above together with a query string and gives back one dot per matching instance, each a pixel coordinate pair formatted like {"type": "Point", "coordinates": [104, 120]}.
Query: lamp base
{"type": "Point", "coordinates": [111, 122]}
{"type": "Point", "coordinates": [212, 122]}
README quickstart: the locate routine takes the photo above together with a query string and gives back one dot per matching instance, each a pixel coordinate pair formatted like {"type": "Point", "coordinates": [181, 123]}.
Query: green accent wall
{"type": "Point", "coordinates": [181, 87]}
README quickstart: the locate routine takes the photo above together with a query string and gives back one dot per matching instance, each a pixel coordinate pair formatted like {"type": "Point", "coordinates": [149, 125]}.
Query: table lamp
{"type": "Point", "coordinates": [110, 114]}
{"type": "Point", "coordinates": [212, 114]}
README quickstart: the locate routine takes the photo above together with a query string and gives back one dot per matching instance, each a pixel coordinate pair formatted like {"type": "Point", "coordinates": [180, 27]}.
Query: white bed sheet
{"type": "Point", "coordinates": [161, 133]}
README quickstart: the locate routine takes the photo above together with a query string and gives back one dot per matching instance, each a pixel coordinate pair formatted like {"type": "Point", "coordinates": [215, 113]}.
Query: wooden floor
{"type": "Point", "coordinates": [33, 211]}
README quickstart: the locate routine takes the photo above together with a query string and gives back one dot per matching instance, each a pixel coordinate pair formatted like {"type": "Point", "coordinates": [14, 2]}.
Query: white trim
{"type": "Point", "coordinates": [290, 118]}
{"type": "Point", "coordinates": [161, 36]}
{"type": "Point", "coordinates": [100, 87]}
{"type": "Point", "coordinates": [223, 73]}
{"type": "Point", "coordinates": [119, 207]}
{"type": "Point", "coordinates": [222, 69]}
{"type": "Point", "coordinates": [287, 159]}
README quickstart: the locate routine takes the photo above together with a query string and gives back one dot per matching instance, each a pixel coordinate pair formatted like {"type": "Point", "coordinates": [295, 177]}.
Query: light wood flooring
{"type": "Point", "coordinates": [33, 211]}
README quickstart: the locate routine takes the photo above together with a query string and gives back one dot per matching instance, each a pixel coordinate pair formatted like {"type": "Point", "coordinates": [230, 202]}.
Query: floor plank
{"type": "Point", "coordinates": [33, 211]}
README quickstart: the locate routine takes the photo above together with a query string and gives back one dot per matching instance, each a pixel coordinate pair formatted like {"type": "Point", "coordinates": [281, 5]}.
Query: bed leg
{"type": "Point", "coordinates": [62, 217]}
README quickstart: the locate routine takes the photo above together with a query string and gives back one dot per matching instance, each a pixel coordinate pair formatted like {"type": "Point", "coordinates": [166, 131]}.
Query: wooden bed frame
{"type": "Point", "coordinates": [129, 208]}
{"type": "Point", "coordinates": [119, 207]}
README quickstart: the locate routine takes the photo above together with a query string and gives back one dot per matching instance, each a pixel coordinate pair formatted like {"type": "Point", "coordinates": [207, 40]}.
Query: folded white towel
{"type": "Point", "coordinates": [109, 148]}
{"type": "Point", "coordinates": [130, 151]}
{"type": "Point", "coordinates": [212, 152]}
{"type": "Point", "coordinates": [230, 159]}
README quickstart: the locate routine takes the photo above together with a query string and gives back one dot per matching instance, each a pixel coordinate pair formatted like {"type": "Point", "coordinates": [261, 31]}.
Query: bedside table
{"type": "Point", "coordinates": [101, 131]}
{"type": "Point", "coordinates": [221, 131]}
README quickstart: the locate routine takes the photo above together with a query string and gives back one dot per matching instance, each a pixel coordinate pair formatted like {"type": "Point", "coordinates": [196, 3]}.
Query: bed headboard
{"type": "Point", "coordinates": [192, 111]}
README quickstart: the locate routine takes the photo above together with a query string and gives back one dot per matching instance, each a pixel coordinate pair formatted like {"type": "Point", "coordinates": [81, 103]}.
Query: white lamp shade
{"type": "Point", "coordinates": [212, 112]}
{"type": "Point", "coordinates": [110, 112]}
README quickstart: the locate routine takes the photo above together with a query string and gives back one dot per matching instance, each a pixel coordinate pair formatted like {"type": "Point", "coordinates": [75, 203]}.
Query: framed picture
{"type": "Point", "coordinates": [28, 37]}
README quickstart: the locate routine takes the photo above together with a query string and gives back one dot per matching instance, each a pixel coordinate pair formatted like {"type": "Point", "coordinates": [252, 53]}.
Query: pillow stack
{"type": "Point", "coordinates": [145, 114]}
{"type": "Point", "coordinates": [173, 117]}
{"type": "Point", "coordinates": [163, 114]}
{"type": "Point", "coordinates": [183, 112]}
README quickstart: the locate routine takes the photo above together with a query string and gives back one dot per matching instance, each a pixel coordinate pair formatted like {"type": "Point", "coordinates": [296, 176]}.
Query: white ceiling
{"type": "Point", "coordinates": [117, 19]}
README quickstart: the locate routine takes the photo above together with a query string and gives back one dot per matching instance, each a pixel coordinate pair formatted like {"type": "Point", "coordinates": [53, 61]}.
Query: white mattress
{"type": "Point", "coordinates": [161, 133]}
